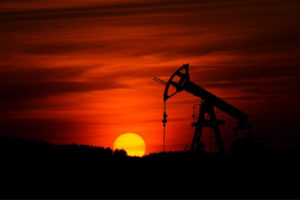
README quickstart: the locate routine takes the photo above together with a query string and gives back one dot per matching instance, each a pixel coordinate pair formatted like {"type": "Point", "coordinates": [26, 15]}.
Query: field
{"type": "Point", "coordinates": [38, 169]}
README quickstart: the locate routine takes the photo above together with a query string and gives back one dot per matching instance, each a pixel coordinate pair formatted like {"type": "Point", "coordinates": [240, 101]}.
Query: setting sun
{"type": "Point", "coordinates": [132, 143]}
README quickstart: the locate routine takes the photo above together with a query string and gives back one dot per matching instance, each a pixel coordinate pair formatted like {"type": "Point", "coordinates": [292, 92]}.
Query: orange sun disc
{"type": "Point", "coordinates": [132, 143]}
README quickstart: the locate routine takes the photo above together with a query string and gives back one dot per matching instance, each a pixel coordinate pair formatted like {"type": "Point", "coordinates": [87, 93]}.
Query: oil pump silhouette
{"type": "Point", "coordinates": [207, 116]}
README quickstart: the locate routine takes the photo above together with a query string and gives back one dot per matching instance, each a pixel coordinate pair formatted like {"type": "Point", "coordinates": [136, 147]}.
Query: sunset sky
{"type": "Point", "coordinates": [81, 72]}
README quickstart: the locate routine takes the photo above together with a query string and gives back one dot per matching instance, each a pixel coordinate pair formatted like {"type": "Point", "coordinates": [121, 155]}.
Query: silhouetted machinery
{"type": "Point", "coordinates": [207, 116]}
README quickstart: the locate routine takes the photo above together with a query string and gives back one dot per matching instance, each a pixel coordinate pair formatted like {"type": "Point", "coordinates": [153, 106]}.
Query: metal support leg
{"type": "Point", "coordinates": [197, 145]}
{"type": "Point", "coordinates": [216, 129]}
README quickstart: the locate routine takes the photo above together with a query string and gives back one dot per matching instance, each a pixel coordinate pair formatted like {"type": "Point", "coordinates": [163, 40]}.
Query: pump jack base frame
{"type": "Point", "coordinates": [209, 121]}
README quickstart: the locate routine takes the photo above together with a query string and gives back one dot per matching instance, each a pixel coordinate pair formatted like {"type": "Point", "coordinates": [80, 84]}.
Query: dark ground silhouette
{"type": "Point", "coordinates": [38, 169]}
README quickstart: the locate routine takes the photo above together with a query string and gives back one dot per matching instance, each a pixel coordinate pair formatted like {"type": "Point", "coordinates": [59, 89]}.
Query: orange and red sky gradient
{"type": "Point", "coordinates": [81, 71]}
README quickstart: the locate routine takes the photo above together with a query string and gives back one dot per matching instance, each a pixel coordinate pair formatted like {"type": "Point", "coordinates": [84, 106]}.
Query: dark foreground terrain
{"type": "Point", "coordinates": [31, 169]}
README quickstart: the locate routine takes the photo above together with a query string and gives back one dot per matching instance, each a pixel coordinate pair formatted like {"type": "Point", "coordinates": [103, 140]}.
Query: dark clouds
{"type": "Point", "coordinates": [43, 89]}
{"type": "Point", "coordinates": [54, 130]}
{"type": "Point", "coordinates": [19, 87]}
{"type": "Point", "coordinates": [14, 74]}
{"type": "Point", "coordinates": [21, 84]}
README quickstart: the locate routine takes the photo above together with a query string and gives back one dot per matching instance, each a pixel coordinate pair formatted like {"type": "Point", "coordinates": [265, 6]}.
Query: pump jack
{"type": "Point", "coordinates": [206, 109]}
